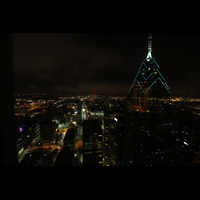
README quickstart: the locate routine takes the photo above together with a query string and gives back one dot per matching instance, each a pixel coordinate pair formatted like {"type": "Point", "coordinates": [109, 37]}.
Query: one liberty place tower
{"type": "Point", "coordinates": [148, 122]}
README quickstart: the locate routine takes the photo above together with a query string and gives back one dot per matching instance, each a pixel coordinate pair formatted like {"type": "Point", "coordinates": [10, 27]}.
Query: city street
{"type": "Point", "coordinates": [41, 153]}
{"type": "Point", "coordinates": [46, 154]}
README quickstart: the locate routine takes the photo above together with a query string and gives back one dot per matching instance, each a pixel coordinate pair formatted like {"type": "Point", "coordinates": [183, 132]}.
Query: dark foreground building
{"type": "Point", "coordinates": [148, 122]}
{"type": "Point", "coordinates": [113, 138]}
{"type": "Point", "coordinates": [66, 156]}
{"type": "Point", "coordinates": [92, 143]}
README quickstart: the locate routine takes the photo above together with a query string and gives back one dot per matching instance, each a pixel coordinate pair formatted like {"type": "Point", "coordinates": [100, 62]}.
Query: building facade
{"type": "Point", "coordinates": [92, 143]}
{"type": "Point", "coordinates": [113, 138]}
{"type": "Point", "coordinates": [83, 112]}
{"type": "Point", "coordinates": [148, 119]}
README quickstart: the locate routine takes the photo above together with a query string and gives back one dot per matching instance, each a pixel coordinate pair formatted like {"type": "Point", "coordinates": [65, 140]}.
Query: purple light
{"type": "Point", "coordinates": [20, 129]}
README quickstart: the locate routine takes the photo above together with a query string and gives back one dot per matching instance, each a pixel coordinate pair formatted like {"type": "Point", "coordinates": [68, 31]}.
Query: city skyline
{"type": "Point", "coordinates": [79, 63]}
{"type": "Point", "coordinates": [138, 115]}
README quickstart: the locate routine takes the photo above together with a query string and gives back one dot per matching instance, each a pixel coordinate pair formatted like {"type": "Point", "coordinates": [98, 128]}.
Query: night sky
{"type": "Point", "coordinates": [79, 63]}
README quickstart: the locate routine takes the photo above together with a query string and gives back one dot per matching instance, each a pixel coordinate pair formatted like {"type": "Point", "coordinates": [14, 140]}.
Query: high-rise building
{"type": "Point", "coordinates": [28, 133]}
{"type": "Point", "coordinates": [147, 137]}
{"type": "Point", "coordinates": [186, 129]}
{"type": "Point", "coordinates": [113, 133]}
{"type": "Point", "coordinates": [92, 143]}
{"type": "Point", "coordinates": [83, 112]}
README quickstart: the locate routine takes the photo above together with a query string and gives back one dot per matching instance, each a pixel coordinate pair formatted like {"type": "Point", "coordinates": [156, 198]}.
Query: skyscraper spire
{"type": "Point", "coordinates": [148, 73]}
{"type": "Point", "coordinates": [149, 56]}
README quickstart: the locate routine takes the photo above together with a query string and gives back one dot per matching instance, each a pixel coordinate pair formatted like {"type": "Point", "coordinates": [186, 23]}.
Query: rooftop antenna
{"type": "Point", "coordinates": [149, 56]}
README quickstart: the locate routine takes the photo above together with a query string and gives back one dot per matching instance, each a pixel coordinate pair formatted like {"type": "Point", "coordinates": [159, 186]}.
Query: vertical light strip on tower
{"type": "Point", "coordinates": [149, 55]}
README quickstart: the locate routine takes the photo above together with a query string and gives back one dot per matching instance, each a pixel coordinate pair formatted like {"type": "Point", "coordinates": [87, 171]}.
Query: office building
{"type": "Point", "coordinates": [66, 156]}
{"type": "Point", "coordinates": [113, 138]}
{"type": "Point", "coordinates": [186, 129]}
{"type": "Point", "coordinates": [148, 122]}
{"type": "Point", "coordinates": [28, 133]}
{"type": "Point", "coordinates": [113, 132]}
{"type": "Point", "coordinates": [69, 140]}
{"type": "Point", "coordinates": [92, 143]}
{"type": "Point", "coordinates": [83, 112]}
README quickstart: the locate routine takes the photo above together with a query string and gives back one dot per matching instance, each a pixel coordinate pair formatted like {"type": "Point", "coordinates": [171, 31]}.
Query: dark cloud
{"type": "Point", "coordinates": [107, 62]}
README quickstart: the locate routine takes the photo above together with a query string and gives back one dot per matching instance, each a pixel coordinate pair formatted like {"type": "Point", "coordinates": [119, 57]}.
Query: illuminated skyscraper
{"type": "Point", "coordinates": [83, 112]}
{"type": "Point", "coordinates": [148, 83]}
{"type": "Point", "coordinates": [148, 123]}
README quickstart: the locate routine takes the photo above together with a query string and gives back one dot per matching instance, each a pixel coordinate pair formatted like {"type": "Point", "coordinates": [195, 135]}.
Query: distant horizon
{"type": "Point", "coordinates": [62, 94]}
{"type": "Point", "coordinates": [75, 63]}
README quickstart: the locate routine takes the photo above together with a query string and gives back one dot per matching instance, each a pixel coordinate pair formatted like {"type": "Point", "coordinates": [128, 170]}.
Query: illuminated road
{"type": "Point", "coordinates": [50, 150]}
{"type": "Point", "coordinates": [45, 154]}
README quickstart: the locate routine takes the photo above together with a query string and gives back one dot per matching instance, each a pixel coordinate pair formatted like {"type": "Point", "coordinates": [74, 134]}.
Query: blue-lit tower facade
{"type": "Point", "coordinates": [148, 122]}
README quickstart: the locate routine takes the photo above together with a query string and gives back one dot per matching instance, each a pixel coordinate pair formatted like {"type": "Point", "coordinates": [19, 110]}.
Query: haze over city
{"type": "Point", "coordinates": [79, 63]}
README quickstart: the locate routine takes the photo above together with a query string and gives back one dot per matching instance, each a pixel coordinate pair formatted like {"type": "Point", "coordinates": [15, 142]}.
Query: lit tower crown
{"type": "Point", "coordinates": [149, 56]}
{"type": "Point", "coordinates": [149, 80]}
